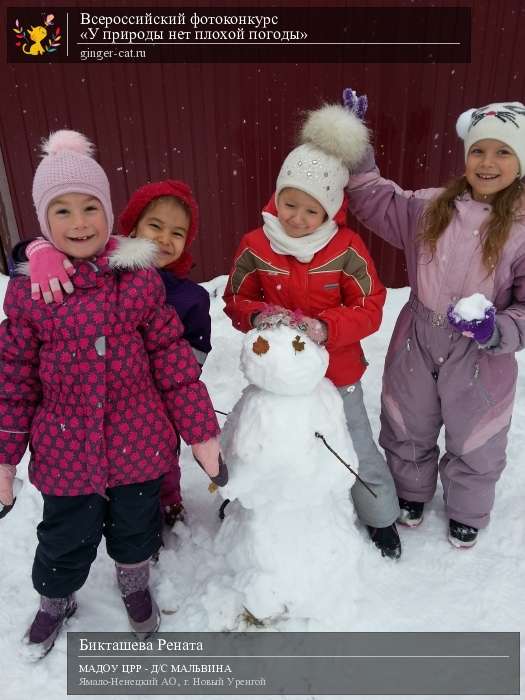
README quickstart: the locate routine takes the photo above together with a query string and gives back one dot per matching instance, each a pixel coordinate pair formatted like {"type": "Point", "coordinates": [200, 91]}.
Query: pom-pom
{"type": "Point", "coordinates": [67, 140]}
{"type": "Point", "coordinates": [337, 131]}
{"type": "Point", "coordinates": [463, 123]}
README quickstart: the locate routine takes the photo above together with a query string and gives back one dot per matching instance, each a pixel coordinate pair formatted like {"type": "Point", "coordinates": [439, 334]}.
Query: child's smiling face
{"type": "Point", "coordinates": [298, 213]}
{"type": "Point", "coordinates": [78, 224]}
{"type": "Point", "coordinates": [491, 167]}
{"type": "Point", "coordinates": [166, 222]}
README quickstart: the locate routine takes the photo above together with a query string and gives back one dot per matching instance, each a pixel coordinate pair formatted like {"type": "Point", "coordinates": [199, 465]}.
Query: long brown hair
{"type": "Point", "coordinates": [495, 231]}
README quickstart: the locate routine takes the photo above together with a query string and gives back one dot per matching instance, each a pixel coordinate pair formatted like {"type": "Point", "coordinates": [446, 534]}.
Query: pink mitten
{"type": "Point", "coordinates": [49, 268]}
{"type": "Point", "coordinates": [316, 330]}
{"type": "Point", "coordinates": [7, 475]}
{"type": "Point", "coordinates": [271, 317]}
{"type": "Point", "coordinates": [208, 457]}
{"type": "Point", "coordinates": [9, 488]}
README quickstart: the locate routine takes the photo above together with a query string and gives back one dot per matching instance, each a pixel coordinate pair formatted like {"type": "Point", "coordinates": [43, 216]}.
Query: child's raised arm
{"type": "Point", "coordinates": [381, 205]}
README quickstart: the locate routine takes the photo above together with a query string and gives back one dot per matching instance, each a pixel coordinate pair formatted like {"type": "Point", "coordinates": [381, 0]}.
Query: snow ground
{"type": "Point", "coordinates": [432, 588]}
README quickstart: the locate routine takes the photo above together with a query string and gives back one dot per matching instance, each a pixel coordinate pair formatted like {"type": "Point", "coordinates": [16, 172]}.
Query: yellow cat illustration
{"type": "Point", "coordinates": [36, 34]}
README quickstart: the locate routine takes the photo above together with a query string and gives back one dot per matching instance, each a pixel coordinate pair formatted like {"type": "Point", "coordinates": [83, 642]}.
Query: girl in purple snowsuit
{"type": "Point", "coordinates": [99, 387]}
{"type": "Point", "coordinates": [441, 370]}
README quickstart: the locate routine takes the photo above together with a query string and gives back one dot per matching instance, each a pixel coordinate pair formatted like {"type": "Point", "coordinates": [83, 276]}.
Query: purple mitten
{"type": "Point", "coordinates": [481, 329]}
{"type": "Point", "coordinates": [356, 104]}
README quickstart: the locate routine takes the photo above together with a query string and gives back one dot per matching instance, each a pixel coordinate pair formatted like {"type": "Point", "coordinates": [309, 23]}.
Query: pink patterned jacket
{"type": "Point", "coordinates": [101, 385]}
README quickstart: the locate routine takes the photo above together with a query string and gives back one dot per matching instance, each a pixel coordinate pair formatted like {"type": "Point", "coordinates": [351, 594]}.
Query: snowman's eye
{"type": "Point", "coordinates": [261, 346]}
{"type": "Point", "coordinates": [298, 344]}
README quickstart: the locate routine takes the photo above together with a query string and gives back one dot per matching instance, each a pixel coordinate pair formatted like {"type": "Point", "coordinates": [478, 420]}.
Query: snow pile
{"type": "Point", "coordinates": [292, 519]}
{"type": "Point", "coordinates": [432, 588]}
{"type": "Point", "coordinates": [472, 308]}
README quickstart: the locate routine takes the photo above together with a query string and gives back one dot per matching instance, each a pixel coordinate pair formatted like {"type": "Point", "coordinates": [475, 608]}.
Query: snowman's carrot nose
{"type": "Point", "coordinates": [367, 487]}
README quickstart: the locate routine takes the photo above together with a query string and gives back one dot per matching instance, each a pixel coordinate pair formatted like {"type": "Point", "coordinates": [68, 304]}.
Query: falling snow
{"type": "Point", "coordinates": [433, 588]}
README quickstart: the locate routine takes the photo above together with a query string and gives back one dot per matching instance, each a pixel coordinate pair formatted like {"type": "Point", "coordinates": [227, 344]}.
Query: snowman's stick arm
{"type": "Point", "coordinates": [367, 487]}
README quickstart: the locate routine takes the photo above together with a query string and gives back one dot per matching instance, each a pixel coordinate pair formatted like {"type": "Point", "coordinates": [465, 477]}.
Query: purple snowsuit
{"type": "Point", "coordinates": [434, 375]}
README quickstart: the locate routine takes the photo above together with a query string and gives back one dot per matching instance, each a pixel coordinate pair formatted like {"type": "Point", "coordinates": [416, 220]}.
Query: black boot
{"type": "Point", "coordinates": [461, 535]}
{"type": "Point", "coordinates": [387, 540]}
{"type": "Point", "coordinates": [411, 512]}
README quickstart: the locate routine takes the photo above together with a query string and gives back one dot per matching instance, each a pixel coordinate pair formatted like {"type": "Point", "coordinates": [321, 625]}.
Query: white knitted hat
{"type": "Point", "coordinates": [504, 121]}
{"type": "Point", "coordinates": [320, 175]}
{"type": "Point", "coordinates": [333, 140]}
{"type": "Point", "coordinates": [68, 167]}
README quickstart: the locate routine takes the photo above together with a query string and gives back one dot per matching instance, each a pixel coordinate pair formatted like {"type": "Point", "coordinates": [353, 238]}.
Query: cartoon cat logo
{"type": "Point", "coordinates": [33, 41]}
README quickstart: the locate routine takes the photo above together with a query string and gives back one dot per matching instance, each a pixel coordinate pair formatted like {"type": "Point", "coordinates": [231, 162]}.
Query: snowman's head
{"type": "Point", "coordinates": [283, 360]}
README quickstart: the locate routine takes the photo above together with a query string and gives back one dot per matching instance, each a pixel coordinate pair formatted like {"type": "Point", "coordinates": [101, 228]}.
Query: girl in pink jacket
{"type": "Point", "coordinates": [98, 387]}
{"type": "Point", "coordinates": [447, 363]}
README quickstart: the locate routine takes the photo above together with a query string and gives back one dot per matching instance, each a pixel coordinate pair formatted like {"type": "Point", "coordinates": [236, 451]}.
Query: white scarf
{"type": "Point", "coordinates": [303, 249]}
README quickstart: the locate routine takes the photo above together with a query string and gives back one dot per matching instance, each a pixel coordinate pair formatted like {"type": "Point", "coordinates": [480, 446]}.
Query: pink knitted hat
{"type": "Point", "coordinates": [68, 167]}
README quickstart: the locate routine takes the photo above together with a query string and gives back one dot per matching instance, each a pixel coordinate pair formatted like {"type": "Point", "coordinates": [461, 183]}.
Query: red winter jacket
{"type": "Point", "coordinates": [339, 286]}
{"type": "Point", "coordinates": [101, 384]}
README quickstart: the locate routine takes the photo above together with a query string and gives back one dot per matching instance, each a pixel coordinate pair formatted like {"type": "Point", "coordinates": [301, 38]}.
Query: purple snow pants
{"type": "Point", "coordinates": [434, 376]}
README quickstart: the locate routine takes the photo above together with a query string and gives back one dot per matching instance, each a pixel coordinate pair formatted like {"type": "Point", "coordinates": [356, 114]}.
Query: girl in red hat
{"type": "Point", "coordinates": [167, 213]}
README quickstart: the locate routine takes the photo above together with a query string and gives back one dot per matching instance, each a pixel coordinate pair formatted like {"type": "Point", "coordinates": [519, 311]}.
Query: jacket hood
{"type": "Point", "coordinates": [145, 195]}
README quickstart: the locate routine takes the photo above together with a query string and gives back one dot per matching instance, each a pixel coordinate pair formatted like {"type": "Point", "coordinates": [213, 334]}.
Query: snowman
{"type": "Point", "coordinates": [289, 528]}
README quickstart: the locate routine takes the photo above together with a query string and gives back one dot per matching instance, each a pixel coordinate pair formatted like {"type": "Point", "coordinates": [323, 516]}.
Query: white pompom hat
{"type": "Point", "coordinates": [68, 167]}
{"type": "Point", "coordinates": [333, 140]}
{"type": "Point", "coordinates": [504, 121]}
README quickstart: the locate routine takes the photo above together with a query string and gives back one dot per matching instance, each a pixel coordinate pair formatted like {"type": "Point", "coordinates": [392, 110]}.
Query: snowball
{"type": "Point", "coordinates": [472, 308]}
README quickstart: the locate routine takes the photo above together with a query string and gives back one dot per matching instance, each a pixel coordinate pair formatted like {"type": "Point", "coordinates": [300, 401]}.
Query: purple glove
{"type": "Point", "coordinates": [359, 105]}
{"type": "Point", "coordinates": [481, 329]}
{"type": "Point", "coordinates": [356, 104]}
{"type": "Point", "coordinates": [49, 268]}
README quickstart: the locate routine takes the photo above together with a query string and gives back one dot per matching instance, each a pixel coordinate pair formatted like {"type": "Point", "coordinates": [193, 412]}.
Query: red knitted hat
{"type": "Point", "coordinates": [167, 188]}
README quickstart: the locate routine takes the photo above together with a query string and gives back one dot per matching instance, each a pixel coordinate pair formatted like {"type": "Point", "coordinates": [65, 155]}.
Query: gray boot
{"type": "Point", "coordinates": [143, 612]}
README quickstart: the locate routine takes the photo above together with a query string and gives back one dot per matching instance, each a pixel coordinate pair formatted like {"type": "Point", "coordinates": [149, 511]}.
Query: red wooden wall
{"type": "Point", "coordinates": [225, 128]}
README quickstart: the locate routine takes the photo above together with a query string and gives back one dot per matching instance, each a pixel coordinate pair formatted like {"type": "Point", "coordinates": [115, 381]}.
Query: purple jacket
{"type": "Point", "coordinates": [192, 304]}
{"type": "Point", "coordinates": [100, 384]}
{"type": "Point", "coordinates": [456, 270]}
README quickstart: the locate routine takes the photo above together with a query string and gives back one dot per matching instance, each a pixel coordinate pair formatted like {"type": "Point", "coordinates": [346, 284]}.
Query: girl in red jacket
{"type": "Point", "coordinates": [303, 267]}
{"type": "Point", "coordinates": [98, 387]}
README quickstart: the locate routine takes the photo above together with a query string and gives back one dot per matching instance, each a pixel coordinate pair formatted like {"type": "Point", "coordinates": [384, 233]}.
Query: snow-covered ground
{"type": "Point", "coordinates": [434, 587]}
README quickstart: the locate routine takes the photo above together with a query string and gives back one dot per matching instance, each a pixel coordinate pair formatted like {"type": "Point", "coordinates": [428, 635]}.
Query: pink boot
{"type": "Point", "coordinates": [51, 615]}
{"type": "Point", "coordinates": [143, 612]}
